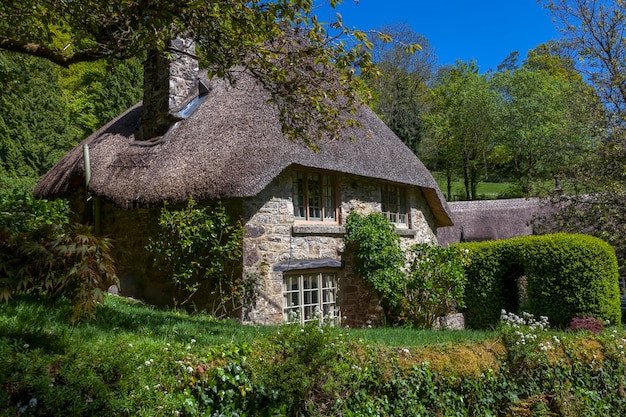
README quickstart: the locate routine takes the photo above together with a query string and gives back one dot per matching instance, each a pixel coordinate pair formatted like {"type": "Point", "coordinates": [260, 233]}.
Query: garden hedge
{"type": "Point", "coordinates": [567, 276]}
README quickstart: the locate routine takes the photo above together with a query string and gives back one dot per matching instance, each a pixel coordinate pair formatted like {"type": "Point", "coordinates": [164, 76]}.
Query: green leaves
{"type": "Point", "coordinates": [435, 285]}
{"type": "Point", "coordinates": [40, 252]}
{"type": "Point", "coordinates": [416, 286]}
{"type": "Point", "coordinates": [201, 250]}
{"type": "Point", "coordinates": [378, 255]}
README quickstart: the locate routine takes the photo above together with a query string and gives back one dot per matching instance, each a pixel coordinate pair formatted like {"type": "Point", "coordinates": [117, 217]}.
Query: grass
{"type": "Point", "coordinates": [485, 190]}
{"type": "Point", "coordinates": [46, 324]}
{"type": "Point", "coordinates": [406, 337]}
{"type": "Point", "coordinates": [36, 321]}
{"type": "Point", "coordinates": [135, 360]}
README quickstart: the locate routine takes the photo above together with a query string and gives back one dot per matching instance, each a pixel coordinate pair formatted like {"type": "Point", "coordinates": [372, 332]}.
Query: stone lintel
{"type": "Point", "coordinates": [406, 232]}
{"type": "Point", "coordinates": [314, 229]}
{"type": "Point", "coordinates": [297, 264]}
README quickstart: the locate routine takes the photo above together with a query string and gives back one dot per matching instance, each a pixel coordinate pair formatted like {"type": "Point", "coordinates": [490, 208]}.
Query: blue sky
{"type": "Point", "coordinates": [486, 31]}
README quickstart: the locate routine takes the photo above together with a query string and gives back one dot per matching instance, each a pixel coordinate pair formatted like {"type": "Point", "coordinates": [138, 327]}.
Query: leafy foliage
{"type": "Point", "coordinates": [435, 284]}
{"type": "Point", "coordinates": [567, 276]}
{"type": "Point", "coordinates": [417, 286]}
{"type": "Point", "coordinates": [307, 66]}
{"type": "Point", "coordinates": [120, 366]}
{"type": "Point", "coordinates": [401, 90]}
{"type": "Point", "coordinates": [461, 124]}
{"type": "Point", "coordinates": [34, 126]}
{"type": "Point", "coordinates": [200, 247]}
{"type": "Point", "coordinates": [40, 252]}
{"type": "Point", "coordinates": [590, 324]}
{"type": "Point", "coordinates": [378, 256]}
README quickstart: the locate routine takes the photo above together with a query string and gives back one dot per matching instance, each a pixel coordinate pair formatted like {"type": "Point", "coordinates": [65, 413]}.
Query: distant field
{"type": "Point", "coordinates": [485, 190]}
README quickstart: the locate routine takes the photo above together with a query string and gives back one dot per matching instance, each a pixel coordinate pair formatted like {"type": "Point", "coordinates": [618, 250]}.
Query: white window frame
{"type": "Point", "coordinates": [315, 197]}
{"type": "Point", "coordinates": [310, 296]}
{"type": "Point", "coordinates": [394, 204]}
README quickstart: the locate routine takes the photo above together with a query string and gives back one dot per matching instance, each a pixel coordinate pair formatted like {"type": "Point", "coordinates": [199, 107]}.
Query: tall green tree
{"type": "Point", "coordinates": [542, 127]}
{"type": "Point", "coordinates": [594, 31]}
{"type": "Point", "coordinates": [34, 124]}
{"type": "Point", "coordinates": [96, 92]}
{"type": "Point", "coordinates": [462, 125]}
{"type": "Point", "coordinates": [401, 91]}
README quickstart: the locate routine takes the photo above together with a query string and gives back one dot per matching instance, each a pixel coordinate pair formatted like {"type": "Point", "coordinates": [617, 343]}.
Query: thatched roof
{"type": "Point", "coordinates": [475, 221]}
{"type": "Point", "coordinates": [230, 146]}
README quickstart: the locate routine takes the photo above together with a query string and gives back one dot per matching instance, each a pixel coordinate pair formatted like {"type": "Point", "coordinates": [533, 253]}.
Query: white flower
{"type": "Point", "coordinates": [193, 341]}
{"type": "Point", "coordinates": [25, 345]}
{"type": "Point", "coordinates": [32, 402]}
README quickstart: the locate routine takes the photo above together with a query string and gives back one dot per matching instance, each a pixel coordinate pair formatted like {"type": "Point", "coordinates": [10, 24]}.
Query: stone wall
{"type": "Point", "coordinates": [274, 243]}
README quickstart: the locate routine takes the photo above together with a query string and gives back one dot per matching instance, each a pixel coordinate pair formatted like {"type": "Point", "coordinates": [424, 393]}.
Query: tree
{"type": "Point", "coordinates": [594, 29]}
{"type": "Point", "coordinates": [302, 63]}
{"type": "Point", "coordinates": [462, 124]}
{"type": "Point", "coordinates": [594, 202]}
{"type": "Point", "coordinates": [96, 92]}
{"type": "Point", "coordinates": [401, 90]}
{"type": "Point", "coordinates": [543, 128]}
{"type": "Point", "coordinates": [34, 127]}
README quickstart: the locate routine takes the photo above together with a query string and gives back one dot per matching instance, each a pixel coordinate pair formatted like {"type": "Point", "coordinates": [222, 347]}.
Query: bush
{"type": "Point", "coordinates": [435, 284]}
{"type": "Point", "coordinates": [489, 270]}
{"type": "Point", "coordinates": [416, 286]}
{"type": "Point", "coordinates": [589, 324]}
{"type": "Point", "coordinates": [40, 252]}
{"type": "Point", "coordinates": [378, 257]}
{"type": "Point", "coordinates": [567, 276]}
{"type": "Point", "coordinates": [200, 247]}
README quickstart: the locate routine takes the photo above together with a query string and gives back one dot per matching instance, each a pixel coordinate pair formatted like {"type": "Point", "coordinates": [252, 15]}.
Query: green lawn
{"type": "Point", "coordinates": [41, 323]}
{"type": "Point", "coordinates": [485, 190]}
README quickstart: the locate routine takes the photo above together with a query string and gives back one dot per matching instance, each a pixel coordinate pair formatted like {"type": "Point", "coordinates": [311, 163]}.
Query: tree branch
{"type": "Point", "coordinates": [41, 51]}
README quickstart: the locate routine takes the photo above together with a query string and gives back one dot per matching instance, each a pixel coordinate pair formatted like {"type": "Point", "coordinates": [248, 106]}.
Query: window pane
{"type": "Point", "coordinates": [393, 204]}
{"type": "Point", "coordinates": [315, 203]}
{"type": "Point", "coordinates": [329, 198]}
{"type": "Point", "coordinates": [298, 196]}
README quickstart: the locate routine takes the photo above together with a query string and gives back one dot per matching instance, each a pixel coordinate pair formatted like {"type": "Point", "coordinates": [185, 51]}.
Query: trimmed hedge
{"type": "Point", "coordinates": [568, 275]}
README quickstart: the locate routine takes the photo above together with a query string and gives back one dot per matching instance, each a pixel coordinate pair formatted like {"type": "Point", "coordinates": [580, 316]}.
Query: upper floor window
{"type": "Point", "coordinates": [314, 197]}
{"type": "Point", "coordinates": [393, 204]}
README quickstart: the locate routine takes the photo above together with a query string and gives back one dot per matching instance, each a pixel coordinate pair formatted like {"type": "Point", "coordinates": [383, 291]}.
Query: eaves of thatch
{"type": "Point", "coordinates": [230, 146]}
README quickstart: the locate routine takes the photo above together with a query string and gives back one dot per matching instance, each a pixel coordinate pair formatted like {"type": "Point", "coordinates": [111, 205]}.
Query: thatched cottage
{"type": "Point", "coordinates": [227, 145]}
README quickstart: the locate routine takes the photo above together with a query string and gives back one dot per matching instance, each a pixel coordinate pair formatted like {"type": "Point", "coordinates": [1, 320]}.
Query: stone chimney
{"type": "Point", "coordinates": [169, 82]}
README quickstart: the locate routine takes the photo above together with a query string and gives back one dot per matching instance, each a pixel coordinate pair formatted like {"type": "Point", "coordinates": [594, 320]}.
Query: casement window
{"type": "Point", "coordinates": [314, 197]}
{"type": "Point", "coordinates": [394, 206]}
{"type": "Point", "coordinates": [309, 296]}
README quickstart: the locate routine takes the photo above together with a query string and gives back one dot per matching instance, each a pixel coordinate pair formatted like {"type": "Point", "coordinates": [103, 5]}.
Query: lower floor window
{"type": "Point", "coordinates": [309, 297]}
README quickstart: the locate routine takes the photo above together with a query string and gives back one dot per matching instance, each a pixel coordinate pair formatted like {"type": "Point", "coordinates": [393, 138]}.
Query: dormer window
{"type": "Point", "coordinates": [393, 204]}
{"type": "Point", "coordinates": [314, 197]}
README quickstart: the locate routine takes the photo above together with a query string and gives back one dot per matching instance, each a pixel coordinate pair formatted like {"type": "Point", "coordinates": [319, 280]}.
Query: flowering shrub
{"type": "Point", "coordinates": [524, 339]}
{"type": "Point", "coordinates": [591, 324]}
{"type": "Point", "coordinates": [435, 284]}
